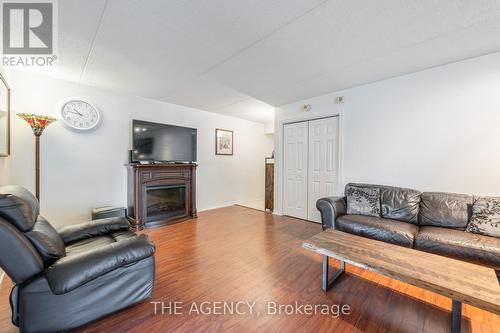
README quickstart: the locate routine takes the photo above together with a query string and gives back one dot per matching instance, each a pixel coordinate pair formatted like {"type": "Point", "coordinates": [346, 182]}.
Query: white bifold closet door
{"type": "Point", "coordinates": [310, 165]}
{"type": "Point", "coordinates": [295, 169]}
{"type": "Point", "coordinates": [323, 163]}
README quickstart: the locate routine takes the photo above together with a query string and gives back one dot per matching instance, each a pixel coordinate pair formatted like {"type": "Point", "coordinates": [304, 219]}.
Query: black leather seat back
{"type": "Point", "coordinates": [19, 207]}
{"type": "Point", "coordinates": [397, 203]}
{"type": "Point", "coordinates": [18, 257]}
{"type": "Point", "coordinates": [26, 235]}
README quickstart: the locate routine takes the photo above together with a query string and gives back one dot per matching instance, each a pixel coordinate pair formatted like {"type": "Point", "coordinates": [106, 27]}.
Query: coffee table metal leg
{"type": "Point", "coordinates": [456, 316]}
{"type": "Point", "coordinates": [327, 280]}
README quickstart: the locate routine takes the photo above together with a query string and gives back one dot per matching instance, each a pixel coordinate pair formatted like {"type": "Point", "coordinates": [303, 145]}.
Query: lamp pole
{"type": "Point", "coordinates": [37, 124]}
{"type": "Point", "coordinates": [37, 166]}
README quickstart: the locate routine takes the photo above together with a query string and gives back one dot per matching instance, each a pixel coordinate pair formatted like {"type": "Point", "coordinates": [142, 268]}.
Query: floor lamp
{"type": "Point", "coordinates": [38, 124]}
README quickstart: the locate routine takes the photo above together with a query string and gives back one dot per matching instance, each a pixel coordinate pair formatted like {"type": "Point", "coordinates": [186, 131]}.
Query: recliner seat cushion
{"type": "Point", "coordinates": [47, 241]}
{"type": "Point", "coordinates": [73, 271]}
{"type": "Point", "coordinates": [449, 210]}
{"type": "Point", "coordinates": [483, 250]}
{"type": "Point", "coordinates": [390, 231]}
{"type": "Point", "coordinates": [398, 203]}
{"type": "Point", "coordinates": [18, 206]}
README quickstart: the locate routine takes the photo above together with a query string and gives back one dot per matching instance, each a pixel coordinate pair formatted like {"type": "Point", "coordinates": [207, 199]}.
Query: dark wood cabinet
{"type": "Point", "coordinates": [269, 195]}
{"type": "Point", "coordinates": [160, 194]}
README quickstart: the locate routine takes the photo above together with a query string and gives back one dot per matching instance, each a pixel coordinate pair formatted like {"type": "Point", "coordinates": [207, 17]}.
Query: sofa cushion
{"type": "Point", "coordinates": [18, 206]}
{"type": "Point", "coordinates": [363, 200]}
{"type": "Point", "coordinates": [449, 210]}
{"type": "Point", "coordinates": [483, 250]}
{"type": "Point", "coordinates": [398, 203]}
{"type": "Point", "coordinates": [47, 241]}
{"type": "Point", "coordinates": [485, 218]}
{"type": "Point", "coordinates": [390, 231]}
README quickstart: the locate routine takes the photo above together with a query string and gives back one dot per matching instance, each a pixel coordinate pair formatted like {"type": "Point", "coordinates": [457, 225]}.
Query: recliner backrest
{"type": "Point", "coordinates": [19, 206]}
{"type": "Point", "coordinates": [397, 203]}
{"type": "Point", "coordinates": [27, 239]}
{"type": "Point", "coordinates": [18, 257]}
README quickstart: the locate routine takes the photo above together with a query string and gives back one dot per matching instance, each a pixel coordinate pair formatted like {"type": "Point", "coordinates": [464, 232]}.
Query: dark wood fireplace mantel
{"type": "Point", "coordinates": [142, 178]}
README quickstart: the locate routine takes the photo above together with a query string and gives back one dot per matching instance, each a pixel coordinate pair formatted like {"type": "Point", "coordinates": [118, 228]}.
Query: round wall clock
{"type": "Point", "coordinates": [80, 114]}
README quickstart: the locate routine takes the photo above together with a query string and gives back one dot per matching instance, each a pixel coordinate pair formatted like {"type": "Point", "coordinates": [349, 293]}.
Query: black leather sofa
{"type": "Point", "coordinates": [429, 221]}
{"type": "Point", "coordinates": [66, 278]}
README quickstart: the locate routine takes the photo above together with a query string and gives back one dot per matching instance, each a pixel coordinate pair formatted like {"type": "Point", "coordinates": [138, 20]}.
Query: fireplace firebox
{"type": "Point", "coordinates": [161, 193]}
{"type": "Point", "coordinates": [165, 201]}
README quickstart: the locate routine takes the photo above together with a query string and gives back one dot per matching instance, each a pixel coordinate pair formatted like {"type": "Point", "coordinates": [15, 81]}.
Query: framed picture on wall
{"type": "Point", "coordinates": [4, 117]}
{"type": "Point", "coordinates": [223, 142]}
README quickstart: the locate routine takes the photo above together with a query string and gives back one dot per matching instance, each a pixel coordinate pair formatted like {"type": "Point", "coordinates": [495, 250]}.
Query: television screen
{"type": "Point", "coordinates": [162, 142]}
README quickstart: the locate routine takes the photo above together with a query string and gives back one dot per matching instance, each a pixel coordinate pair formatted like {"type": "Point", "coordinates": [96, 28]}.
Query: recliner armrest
{"type": "Point", "coordinates": [71, 272]}
{"type": "Point", "coordinates": [331, 208]}
{"type": "Point", "coordinates": [93, 228]}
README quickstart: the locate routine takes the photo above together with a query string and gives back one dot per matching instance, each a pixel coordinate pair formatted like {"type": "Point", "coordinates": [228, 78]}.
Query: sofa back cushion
{"type": "Point", "coordinates": [19, 206]}
{"type": "Point", "coordinates": [448, 210]}
{"type": "Point", "coordinates": [47, 241]}
{"type": "Point", "coordinates": [397, 203]}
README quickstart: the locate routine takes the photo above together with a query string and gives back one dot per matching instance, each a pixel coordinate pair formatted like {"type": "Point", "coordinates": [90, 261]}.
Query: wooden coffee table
{"type": "Point", "coordinates": [461, 281]}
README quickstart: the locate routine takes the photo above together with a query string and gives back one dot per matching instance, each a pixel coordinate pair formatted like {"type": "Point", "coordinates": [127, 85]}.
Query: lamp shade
{"type": "Point", "coordinates": [37, 122]}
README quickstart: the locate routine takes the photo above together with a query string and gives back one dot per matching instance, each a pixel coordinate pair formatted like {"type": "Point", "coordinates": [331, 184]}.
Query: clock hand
{"type": "Point", "coordinates": [78, 113]}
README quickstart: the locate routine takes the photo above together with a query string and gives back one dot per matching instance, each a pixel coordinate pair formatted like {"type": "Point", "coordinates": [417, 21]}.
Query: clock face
{"type": "Point", "coordinates": [80, 115]}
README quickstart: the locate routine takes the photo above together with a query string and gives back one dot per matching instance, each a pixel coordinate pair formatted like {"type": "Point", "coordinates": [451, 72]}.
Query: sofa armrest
{"type": "Point", "coordinates": [71, 272]}
{"type": "Point", "coordinates": [331, 208]}
{"type": "Point", "coordinates": [93, 228]}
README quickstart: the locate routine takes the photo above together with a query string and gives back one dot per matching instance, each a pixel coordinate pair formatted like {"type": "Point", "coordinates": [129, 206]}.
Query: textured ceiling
{"type": "Point", "coordinates": [244, 57]}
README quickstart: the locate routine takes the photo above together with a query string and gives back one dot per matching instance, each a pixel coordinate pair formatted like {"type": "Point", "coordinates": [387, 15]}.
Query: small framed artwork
{"type": "Point", "coordinates": [4, 117]}
{"type": "Point", "coordinates": [223, 142]}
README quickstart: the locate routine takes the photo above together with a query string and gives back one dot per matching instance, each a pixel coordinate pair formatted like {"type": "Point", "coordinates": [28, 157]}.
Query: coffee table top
{"type": "Point", "coordinates": [462, 281]}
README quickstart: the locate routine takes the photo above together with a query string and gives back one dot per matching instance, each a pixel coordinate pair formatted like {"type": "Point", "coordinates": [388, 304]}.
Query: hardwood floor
{"type": "Point", "coordinates": [240, 254]}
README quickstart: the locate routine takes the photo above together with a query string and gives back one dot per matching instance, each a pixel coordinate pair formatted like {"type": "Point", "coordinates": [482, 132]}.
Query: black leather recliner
{"type": "Point", "coordinates": [66, 278]}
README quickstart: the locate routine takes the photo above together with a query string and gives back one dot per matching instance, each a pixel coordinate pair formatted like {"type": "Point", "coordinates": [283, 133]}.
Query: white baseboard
{"type": "Point", "coordinates": [223, 204]}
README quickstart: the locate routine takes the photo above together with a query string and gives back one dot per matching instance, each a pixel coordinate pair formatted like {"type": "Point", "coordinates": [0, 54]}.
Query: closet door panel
{"type": "Point", "coordinates": [323, 163]}
{"type": "Point", "coordinates": [295, 170]}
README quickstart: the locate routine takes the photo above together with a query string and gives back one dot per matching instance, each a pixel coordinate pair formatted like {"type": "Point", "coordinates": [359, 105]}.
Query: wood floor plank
{"type": "Point", "coordinates": [236, 253]}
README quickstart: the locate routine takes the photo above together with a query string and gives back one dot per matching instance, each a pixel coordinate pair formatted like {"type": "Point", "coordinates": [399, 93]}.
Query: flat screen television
{"type": "Point", "coordinates": [162, 142]}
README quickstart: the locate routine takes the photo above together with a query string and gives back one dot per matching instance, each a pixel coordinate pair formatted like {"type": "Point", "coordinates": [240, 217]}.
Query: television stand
{"type": "Point", "coordinates": [160, 193]}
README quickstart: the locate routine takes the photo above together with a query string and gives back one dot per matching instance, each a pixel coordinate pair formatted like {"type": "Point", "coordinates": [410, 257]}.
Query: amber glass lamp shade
{"type": "Point", "coordinates": [37, 123]}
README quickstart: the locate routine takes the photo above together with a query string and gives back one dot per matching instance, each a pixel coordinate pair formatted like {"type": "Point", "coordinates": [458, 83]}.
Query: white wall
{"type": "Point", "coordinates": [435, 130]}
{"type": "Point", "coordinates": [80, 171]}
